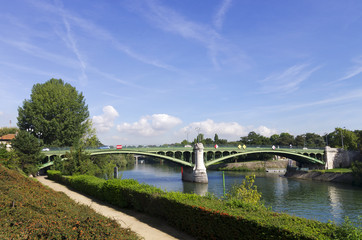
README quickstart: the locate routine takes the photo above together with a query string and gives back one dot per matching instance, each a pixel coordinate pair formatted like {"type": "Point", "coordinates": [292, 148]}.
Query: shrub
{"type": "Point", "coordinates": [245, 194]}
{"type": "Point", "coordinates": [210, 218]}
{"type": "Point", "coordinates": [28, 210]}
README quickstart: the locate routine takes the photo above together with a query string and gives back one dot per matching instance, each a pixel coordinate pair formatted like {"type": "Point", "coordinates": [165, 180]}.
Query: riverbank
{"type": "Point", "coordinates": [346, 178]}
{"type": "Point", "coordinates": [252, 166]}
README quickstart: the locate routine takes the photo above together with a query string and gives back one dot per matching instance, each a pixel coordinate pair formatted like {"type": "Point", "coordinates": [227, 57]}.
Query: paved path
{"type": "Point", "coordinates": [148, 227]}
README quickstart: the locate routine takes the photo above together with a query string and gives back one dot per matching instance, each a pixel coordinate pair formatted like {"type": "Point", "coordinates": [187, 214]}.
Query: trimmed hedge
{"type": "Point", "coordinates": [203, 217]}
{"type": "Point", "coordinates": [30, 210]}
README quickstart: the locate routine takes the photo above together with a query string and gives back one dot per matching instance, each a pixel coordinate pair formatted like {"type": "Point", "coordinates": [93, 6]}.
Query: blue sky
{"type": "Point", "coordinates": [154, 71]}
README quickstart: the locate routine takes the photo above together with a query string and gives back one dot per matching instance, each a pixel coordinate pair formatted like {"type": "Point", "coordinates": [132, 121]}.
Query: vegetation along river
{"type": "Point", "coordinates": [322, 201]}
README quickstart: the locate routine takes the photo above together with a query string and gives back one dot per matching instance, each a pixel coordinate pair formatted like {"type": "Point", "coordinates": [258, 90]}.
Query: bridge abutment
{"type": "Point", "coordinates": [336, 158]}
{"type": "Point", "coordinates": [198, 173]}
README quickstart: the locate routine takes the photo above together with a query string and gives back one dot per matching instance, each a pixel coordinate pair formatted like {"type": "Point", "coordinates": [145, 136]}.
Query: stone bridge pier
{"type": "Point", "coordinates": [340, 158]}
{"type": "Point", "coordinates": [198, 173]}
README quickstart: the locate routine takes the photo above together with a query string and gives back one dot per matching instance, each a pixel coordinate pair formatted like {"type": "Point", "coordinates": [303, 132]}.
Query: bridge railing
{"type": "Point", "coordinates": [172, 147]}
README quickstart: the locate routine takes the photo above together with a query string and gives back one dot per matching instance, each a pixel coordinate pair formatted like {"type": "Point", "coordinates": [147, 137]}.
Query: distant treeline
{"type": "Point", "coordinates": [340, 137]}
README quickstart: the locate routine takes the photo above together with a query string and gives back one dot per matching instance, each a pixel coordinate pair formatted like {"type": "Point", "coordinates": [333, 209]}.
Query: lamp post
{"type": "Point", "coordinates": [342, 136]}
{"type": "Point", "coordinates": [39, 134]}
{"type": "Point", "coordinates": [304, 136]}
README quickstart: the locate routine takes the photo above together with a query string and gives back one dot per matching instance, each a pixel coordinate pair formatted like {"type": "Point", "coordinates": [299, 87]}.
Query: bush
{"type": "Point", "coordinates": [90, 185]}
{"type": "Point", "coordinates": [210, 218]}
{"type": "Point", "coordinates": [28, 210]}
{"type": "Point", "coordinates": [246, 193]}
{"type": "Point", "coordinates": [357, 172]}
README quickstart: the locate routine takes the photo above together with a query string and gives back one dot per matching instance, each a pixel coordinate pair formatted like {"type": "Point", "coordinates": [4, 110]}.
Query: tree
{"type": "Point", "coordinates": [89, 138]}
{"type": "Point", "coordinates": [208, 141]}
{"type": "Point", "coordinates": [55, 112]}
{"type": "Point", "coordinates": [359, 136]}
{"type": "Point", "coordinates": [28, 149]}
{"type": "Point", "coordinates": [200, 138]}
{"type": "Point", "coordinates": [254, 138]}
{"type": "Point", "coordinates": [3, 152]}
{"type": "Point", "coordinates": [300, 140]}
{"type": "Point", "coordinates": [285, 139]}
{"type": "Point", "coordinates": [216, 139]}
{"type": "Point", "coordinates": [343, 138]}
{"type": "Point", "coordinates": [274, 139]}
{"type": "Point", "coordinates": [314, 140]}
{"type": "Point", "coordinates": [6, 130]}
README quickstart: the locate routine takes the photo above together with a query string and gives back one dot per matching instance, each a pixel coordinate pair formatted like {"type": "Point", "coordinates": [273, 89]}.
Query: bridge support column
{"type": "Point", "coordinates": [198, 173]}
{"type": "Point", "coordinates": [336, 158]}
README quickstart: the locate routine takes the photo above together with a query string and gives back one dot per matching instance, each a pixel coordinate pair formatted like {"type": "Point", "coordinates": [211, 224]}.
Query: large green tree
{"type": "Point", "coordinates": [345, 138]}
{"type": "Point", "coordinates": [55, 112]}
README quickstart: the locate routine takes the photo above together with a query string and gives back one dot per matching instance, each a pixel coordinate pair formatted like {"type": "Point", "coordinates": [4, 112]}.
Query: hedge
{"type": "Point", "coordinates": [30, 210]}
{"type": "Point", "coordinates": [203, 217]}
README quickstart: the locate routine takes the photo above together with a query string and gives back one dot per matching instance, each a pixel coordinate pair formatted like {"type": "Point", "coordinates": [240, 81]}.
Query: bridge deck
{"type": "Point", "coordinates": [180, 154]}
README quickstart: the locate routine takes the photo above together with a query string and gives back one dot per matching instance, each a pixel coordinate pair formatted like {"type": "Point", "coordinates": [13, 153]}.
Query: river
{"type": "Point", "coordinates": [322, 201]}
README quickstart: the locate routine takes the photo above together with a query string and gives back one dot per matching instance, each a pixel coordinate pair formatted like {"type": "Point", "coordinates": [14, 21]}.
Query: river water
{"type": "Point", "coordinates": [322, 201]}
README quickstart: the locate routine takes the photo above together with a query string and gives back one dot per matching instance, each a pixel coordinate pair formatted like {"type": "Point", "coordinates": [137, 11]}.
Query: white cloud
{"type": "Point", "coordinates": [353, 71]}
{"type": "Point", "coordinates": [289, 80]}
{"type": "Point", "coordinates": [266, 132]}
{"type": "Point", "coordinates": [220, 51]}
{"type": "Point", "coordinates": [219, 16]}
{"type": "Point", "coordinates": [227, 130]}
{"type": "Point", "coordinates": [105, 121]}
{"type": "Point", "coordinates": [147, 126]}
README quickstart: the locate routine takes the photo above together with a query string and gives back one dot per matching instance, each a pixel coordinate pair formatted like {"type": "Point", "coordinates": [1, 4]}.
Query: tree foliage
{"type": "Point", "coordinates": [246, 193]}
{"type": "Point", "coordinates": [8, 130]}
{"type": "Point", "coordinates": [28, 149]}
{"type": "Point", "coordinates": [350, 139]}
{"type": "Point", "coordinates": [56, 111]}
{"type": "Point", "coordinates": [89, 138]}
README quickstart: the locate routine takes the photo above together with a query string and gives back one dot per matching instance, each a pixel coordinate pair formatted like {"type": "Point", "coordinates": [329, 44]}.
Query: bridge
{"type": "Point", "coordinates": [185, 156]}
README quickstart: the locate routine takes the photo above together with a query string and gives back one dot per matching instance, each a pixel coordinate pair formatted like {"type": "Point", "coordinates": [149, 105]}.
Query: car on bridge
{"type": "Point", "coordinates": [104, 147]}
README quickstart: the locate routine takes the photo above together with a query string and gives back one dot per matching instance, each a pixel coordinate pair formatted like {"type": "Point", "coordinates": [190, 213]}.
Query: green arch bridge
{"type": "Point", "coordinates": [185, 155]}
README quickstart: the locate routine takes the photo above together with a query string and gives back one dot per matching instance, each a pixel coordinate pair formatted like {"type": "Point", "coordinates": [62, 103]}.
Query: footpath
{"type": "Point", "coordinates": [147, 227]}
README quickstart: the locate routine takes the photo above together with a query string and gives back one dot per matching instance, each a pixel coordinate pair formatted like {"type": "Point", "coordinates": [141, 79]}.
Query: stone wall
{"type": "Point", "coordinates": [340, 158]}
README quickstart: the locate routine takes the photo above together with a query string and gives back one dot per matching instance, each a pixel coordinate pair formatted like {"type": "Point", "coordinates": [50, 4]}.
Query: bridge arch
{"type": "Point", "coordinates": [162, 155]}
{"type": "Point", "coordinates": [303, 158]}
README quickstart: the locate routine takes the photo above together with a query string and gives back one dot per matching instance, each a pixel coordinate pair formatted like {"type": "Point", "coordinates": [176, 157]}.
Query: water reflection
{"type": "Point", "coordinates": [335, 202]}
{"type": "Point", "coordinates": [198, 188]}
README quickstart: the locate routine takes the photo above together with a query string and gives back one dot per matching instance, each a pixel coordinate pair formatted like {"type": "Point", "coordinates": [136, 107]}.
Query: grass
{"type": "Point", "coordinates": [335, 170]}
{"type": "Point", "coordinates": [28, 210]}
{"type": "Point", "coordinates": [243, 169]}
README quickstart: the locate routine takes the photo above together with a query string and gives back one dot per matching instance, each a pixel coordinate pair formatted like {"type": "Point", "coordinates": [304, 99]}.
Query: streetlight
{"type": "Point", "coordinates": [304, 136]}
{"type": "Point", "coordinates": [342, 136]}
{"type": "Point", "coordinates": [39, 134]}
